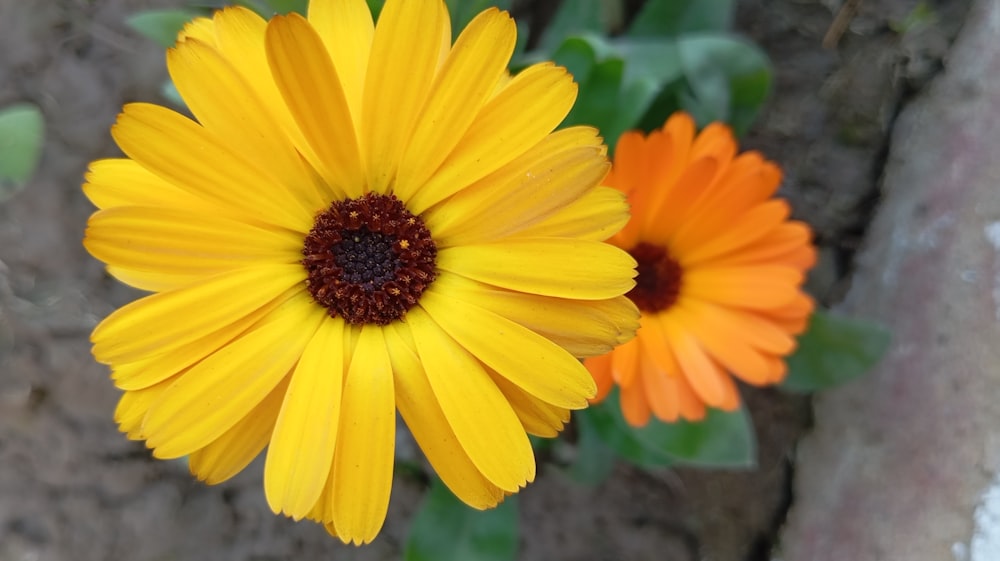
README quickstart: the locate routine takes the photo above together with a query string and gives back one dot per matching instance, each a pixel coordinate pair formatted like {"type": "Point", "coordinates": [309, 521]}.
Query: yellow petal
{"type": "Point", "coordinates": [184, 153]}
{"type": "Point", "coordinates": [522, 193]}
{"type": "Point", "coordinates": [322, 511]}
{"type": "Point", "coordinates": [526, 359]}
{"type": "Point", "coordinates": [122, 182]}
{"type": "Point", "coordinates": [528, 108]}
{"type": "Point", "coordinates": [584, 328]}
{"type": "Point", "coordinates": [477, 411]}
{"type": "Point", "coordinates": [565, 268]}
{"type": "Point", "coordinates": [153, 369]}
{"type": "Point", "coordinates": [162, 322]}
{"type": "Point", "coordinates": [346, 29]}
{"type": "Point", "coordinates": [464, 82]}
{"type": "Point", "coordinates": [538, 417]}
{"type": "Point", "coordinates": [422, 414]}
{"type": "Point", "coordinates": [219, 391]}
{"type": "Point", "coordinates": [184, 243]}
{"type": "Point", "coordinates": [133, 406]}
{"type": "Point", "coordinates": [240, 39]}
{"type": "Point", "coordinates": [596, 216]}
{"type": "Point", "coordinates": [311, 88]}
{"type": "Point", "coordinates": [202, 29]}
{"type": "Point", "coordinates": [150, 281]}
{"type": "Point", "coordinates": [300, 457]}
{"type": "Point", "coordinates": [227, 455]}
{"type": "Point", "coordinates": [226, 105]}
{"type": "Point", "coordinates": [405, 54]}
{"type": "Point", "coordinates": [362, 465]}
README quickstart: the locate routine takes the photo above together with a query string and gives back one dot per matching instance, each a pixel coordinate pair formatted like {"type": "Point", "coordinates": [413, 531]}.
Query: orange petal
{"type": "Point", "coordinates": [634, 405]}
{"type": "Point", "coordinates": [705, 375]}
{"type": "Point", "coordinates": [600, 369]}
{"type": "Point", "coordinates": [624, 363]}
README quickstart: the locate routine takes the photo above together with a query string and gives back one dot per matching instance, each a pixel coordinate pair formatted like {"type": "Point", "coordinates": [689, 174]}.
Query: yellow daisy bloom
{"type": "Point", "coordinates": [362, 219]}
{"type": "Point", "coordinates": [720, 273]}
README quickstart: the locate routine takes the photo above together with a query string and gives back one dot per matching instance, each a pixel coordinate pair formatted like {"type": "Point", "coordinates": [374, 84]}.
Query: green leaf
{"type": "Point", "coordinates": [161, 26]}
{"type": "Point", "coordinates": [287, 6]}
{"type": "Point", "coordinates": [722, 439]}
{"type": "Point", "coordinates": [919, 18]}
{"type": "Point", "coordinates": [618, 79]}
{"type": "Point", "coordinates": [675, 17]}
{"type": "Point", "coordinates": [376, 7]}
{"type": "Point", "coordinates": [462, 11]}
{"type": "Point", "coordinates": [728, 79]}
{"type": "Point", "coordinates": [169, 91]}
{"type": "Point", "coordinates": [260, 6]}
{"type": "Point", "coordinates": [722, 79]}
{"type": "Point", "coordinates": [607, 421]}
{"type": "Point", "coordinates": [594, 460]}
{"type": "Point", "coordinates": [834, 350]}
{"type": "Point", "coordinates": [22, 131]}
{"type": "Point", "coordinates": [597, 100]}
{"type": "Point", "coordinates": [575, 17]}
{"type": "Point", "coordinates": [445, 529]}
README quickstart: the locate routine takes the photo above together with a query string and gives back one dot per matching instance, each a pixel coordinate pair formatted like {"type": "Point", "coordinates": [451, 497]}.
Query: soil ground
{"type": "Point", "coordinates": [72, 487]}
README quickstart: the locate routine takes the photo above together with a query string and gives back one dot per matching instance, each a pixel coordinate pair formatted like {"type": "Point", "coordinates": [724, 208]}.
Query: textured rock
{"type": "Point", "coordinates": [901, 462]}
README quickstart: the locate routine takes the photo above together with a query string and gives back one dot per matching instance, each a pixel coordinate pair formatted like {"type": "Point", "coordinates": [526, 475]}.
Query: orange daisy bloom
{"type": "Point", "coordinates": [720, 279]}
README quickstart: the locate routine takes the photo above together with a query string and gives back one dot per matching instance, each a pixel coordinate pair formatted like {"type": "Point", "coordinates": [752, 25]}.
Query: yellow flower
{"type": "Point", "coordinates": [720, 273]}
{"type": "Point", "coordinates": [363, 219]}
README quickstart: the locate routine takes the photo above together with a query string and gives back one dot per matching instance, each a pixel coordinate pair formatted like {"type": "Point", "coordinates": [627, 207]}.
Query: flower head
{"type": "Point", "coordinates": [720, 273]}
{"type": "Point", "coordinates": [361, 219]}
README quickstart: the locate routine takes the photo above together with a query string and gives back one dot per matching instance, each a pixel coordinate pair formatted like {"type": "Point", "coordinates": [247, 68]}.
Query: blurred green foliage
{"type": "Point", "coordinates": [674, 55]}
{"type": "Point", "coordinates": [445, 529]}
{"type": "Point", "coordinates": [721, 440]}
{"type": "Point", "coordinates": [162, 26]}
{"type": "Point", "coordinates": [834, 350]}
{"type": "Point", "coordinates": [22, 132]}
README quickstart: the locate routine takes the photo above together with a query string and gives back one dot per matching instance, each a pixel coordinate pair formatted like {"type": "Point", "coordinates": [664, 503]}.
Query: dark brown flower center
{"type": "Point", "coordinates": [659, 280]}
{"type": "Point", "coordinates": [368, 259]}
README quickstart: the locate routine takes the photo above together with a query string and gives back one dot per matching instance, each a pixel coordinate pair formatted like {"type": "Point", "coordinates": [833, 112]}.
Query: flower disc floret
{"type": "Point", "coordinates": [368, 259]}
{"type": "Point", "coordinates": [659, 280]}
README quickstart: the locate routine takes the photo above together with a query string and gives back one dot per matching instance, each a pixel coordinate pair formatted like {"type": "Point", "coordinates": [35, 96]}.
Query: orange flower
{"type": "Point", "coordinates": [720, 273]}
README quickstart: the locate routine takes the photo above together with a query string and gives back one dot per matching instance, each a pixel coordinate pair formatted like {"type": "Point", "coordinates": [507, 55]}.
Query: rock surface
{"type": "Point", "coordinates": [901, 462]}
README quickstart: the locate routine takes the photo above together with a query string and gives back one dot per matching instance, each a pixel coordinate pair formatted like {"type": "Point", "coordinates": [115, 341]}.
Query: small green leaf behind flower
{"type": "Point", "coordinates": [722, 440]}
{"type": "Point", "coordinates": [834, 350]}
{"type": "Point", "coordinates": [445, 529]}
{"type": "Point", "coordinates": [677, 54]}
{"type": "Point", "coordinates": [673, 17]}
{"type": "Point", "coordinates": [22, 132]}
{"type": "Point", "coordinates": [594, 460]}
{"type": "Point", "coordinates": [161, 26]}
{"type": "Point", "coordinates": [462, 11]}
{"type": "Point", "coordinates": [289, 6]}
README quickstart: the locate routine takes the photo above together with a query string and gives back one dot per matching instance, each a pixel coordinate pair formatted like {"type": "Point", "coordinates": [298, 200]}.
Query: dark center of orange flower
{"type": "Point", "coordinates": [659, 280]}
{"type": "Point", "coordinates": [368, 259]}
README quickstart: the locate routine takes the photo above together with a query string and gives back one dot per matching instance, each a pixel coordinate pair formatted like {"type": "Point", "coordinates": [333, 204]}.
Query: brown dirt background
{"type": "Point", "coordinates": [72, 487]}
